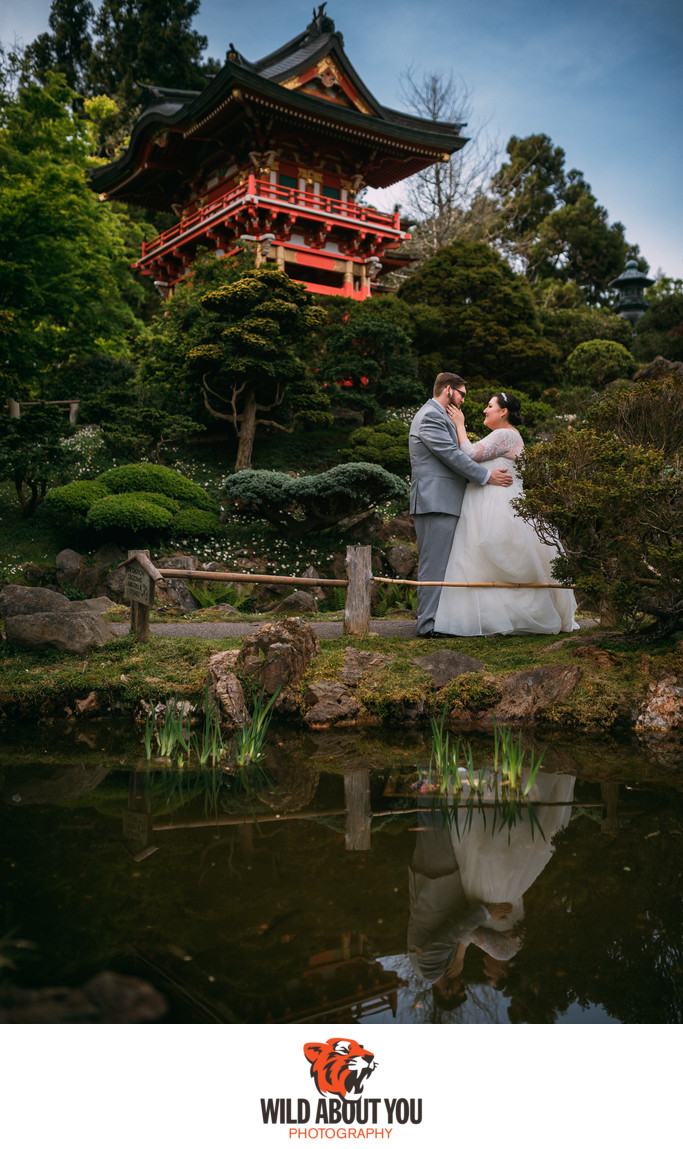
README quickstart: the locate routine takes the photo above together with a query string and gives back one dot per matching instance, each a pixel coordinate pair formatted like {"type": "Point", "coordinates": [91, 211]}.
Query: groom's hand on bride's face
{"type": "Point", "coordinates": [500, 478]}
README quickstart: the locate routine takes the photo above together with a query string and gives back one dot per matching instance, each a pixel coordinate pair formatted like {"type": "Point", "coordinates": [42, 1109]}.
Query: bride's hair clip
{"type": "Point", "coordinates": [503, 395]}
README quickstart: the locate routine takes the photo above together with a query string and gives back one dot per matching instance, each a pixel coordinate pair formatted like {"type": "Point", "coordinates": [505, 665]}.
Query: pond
{"type": "Point", "coordinates": [336, 885]}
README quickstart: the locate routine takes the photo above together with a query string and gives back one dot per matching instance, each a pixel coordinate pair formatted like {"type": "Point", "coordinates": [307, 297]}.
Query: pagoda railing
{"type": "Point", "coordinates": [255, 191]}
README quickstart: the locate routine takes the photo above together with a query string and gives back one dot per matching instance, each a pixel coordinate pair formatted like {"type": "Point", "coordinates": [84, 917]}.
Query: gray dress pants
{"type": "Point", "coordinates": [434, 541]}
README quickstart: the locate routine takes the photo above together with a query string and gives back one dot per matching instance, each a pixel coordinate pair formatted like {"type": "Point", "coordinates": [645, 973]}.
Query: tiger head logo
{"type": "Point", "coordinates": [339, 1066]}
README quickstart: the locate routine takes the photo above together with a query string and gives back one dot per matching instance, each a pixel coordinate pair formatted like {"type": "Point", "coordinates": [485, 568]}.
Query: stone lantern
{"type": "Point", "coordinates": [630, 286]}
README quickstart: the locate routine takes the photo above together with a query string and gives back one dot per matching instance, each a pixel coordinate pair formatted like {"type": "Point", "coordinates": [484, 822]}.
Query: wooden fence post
{"type": "Point", "coordinates": [358, 811]}
{"type": "Point", "coordinates": [357, 609]}
{"type": "Point", "coordinates": [141, 575]}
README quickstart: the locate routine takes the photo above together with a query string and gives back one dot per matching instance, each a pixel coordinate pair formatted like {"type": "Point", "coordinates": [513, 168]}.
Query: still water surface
{"type": "Point", "coordinates": [332, 888]}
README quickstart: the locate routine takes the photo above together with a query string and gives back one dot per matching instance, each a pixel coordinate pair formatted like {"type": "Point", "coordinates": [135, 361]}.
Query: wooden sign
{"type": "Point", "coordinates": [138, 585]}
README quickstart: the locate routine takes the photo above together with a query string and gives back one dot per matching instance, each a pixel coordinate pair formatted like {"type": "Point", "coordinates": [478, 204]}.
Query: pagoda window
{"type": "Point", "coordinates": [330, 192]}
{"type": "Point", "coordinates": [287, 181]}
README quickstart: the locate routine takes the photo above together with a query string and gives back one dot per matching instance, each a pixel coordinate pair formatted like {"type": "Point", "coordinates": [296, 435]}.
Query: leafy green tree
{"type": "Point", "coordinates": [249, 358]}
{"type": "Point", "coordinates": [65, 276]}
{"type": "Point", "coordinates": [32, 453]}
{"type": "Point", "coordinates": [370, 364]}
{"type": "Point", "coordinates": [141, 432]}
{"type": "Point", "coordinates": [598, 362]}
{"type": "Point", "coordinates": [660, 330]}
{"type": "Point", "coordinates": [305, 503]}
{"type": "Point", "coordinates": [481, 320]}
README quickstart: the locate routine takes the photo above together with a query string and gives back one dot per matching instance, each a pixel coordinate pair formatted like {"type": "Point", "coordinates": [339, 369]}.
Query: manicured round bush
{"type": "Point", "coordinates": [193, 521]}
{"type": "Point", "coordinates": [597, 362]}
{"type": "Point", "coordinates": [172, 505]}
{"type": "Point", "coordinates": [78, 496]}
{"type": "Point", "coordinates": [150, 477]}
{"type": "Point", "coordinates": [131, 511]}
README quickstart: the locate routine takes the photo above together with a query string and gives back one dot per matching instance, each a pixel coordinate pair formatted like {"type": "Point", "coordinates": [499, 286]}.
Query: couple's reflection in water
{"type": "Point", "coordinates": [473, 862]}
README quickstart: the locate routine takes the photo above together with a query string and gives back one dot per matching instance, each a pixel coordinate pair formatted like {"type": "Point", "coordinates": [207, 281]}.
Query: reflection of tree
{"type": "Point", "coordinates": [603, 924]}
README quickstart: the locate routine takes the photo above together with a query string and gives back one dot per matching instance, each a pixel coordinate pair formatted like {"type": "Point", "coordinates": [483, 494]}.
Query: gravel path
{"type": "Point", "coordinates": [385, 627]}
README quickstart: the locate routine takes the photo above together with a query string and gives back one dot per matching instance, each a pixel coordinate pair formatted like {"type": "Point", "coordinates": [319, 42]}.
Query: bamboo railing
{"type": "Point", "coordinates": [142, 576]}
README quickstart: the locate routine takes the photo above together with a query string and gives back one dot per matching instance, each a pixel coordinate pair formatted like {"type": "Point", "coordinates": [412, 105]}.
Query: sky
{"type": "Point", "coordinates": [602, 78]}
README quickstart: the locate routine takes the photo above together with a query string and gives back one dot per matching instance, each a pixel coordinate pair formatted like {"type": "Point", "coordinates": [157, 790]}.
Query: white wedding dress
{"type": "Point", "coordinates": [493, 544]}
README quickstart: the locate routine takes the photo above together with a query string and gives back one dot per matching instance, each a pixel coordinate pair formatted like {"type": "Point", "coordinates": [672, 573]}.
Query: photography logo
{"type": "Point", "coordinates": [339, 1066]}
{"type": "Point", "coordinates": [340, 1069]}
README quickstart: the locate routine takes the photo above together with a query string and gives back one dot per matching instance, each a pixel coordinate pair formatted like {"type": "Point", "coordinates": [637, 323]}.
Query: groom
{"type": "Point", "coordinates": [440, 471]}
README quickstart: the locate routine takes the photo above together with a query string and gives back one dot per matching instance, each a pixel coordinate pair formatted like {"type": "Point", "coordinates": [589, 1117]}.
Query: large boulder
{"type": "Point", "coordinates": [299, 600]}
{"type": "Point", "coordinates": [72, 631]}
{"type": "Point", "coordinates": [401, 527]}
{"type": "Point", "coordinates": [68, 566]}
{"type": "Point", "coordinates": [17, 600]}
{"type": "Point", "coordinates": [445, 665]}
{"type": "Point", "coordinates": [175, 591]}
{"type": "Point", "coordinates": [402, 560]}
{"type": "Point", "coordinates": [225, 689]}
{"type": "Point", "coordinates": [317, 591]}
{"type": "Point", "coordinates": [659, 368]}
{"type": "Point", "coordinates": [329, 703]}
{"type": "Point", "coordinates": [662, 712]}
{"type": "Point", "coordinates": [278, 655]}
{"type": "Point", "coordinates": [529, 691]}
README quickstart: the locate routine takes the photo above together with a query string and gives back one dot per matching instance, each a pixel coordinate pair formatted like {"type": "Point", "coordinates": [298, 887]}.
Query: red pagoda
{"type": "Point", "coordinates": [274, 154]}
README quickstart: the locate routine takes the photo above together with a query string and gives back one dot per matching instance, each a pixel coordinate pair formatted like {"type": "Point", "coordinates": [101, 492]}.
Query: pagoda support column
{"type": "Point", "coordinates": [279, 256]}
{"type": "Point", "coordinates": [364, 287]}
{"type": "Point", "coordinates": [348, 278]}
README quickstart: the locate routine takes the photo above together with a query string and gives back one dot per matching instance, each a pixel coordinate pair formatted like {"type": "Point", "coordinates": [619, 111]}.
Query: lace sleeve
{"type": "Point", "coordinates": [506, 441]}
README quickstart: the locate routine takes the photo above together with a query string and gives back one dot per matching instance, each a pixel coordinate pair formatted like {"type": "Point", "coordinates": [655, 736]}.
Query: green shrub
{"type": "Point", "coordinates": [536, 414]}
{"type": "Point", "coordinates": [150, 477]}
{"type": "Point", "coordinates": [77, 497]}
{"type": "Point", "coordinates": [618, 512]}
{"type": "Point", "coordinates": [194, 521]}
{"type": "Point", "coordinates": [312, 502]}
{"type": "Point", "coordinates": [131, 511]}
{"type": "Point", "coordinates": [171, 505]}
{"type": "Point", "coordinates": [646, 413]}
{"type": "Point", "coordinates": [598, 362]}
{"type": "Point", "coordinates": [386, 444]}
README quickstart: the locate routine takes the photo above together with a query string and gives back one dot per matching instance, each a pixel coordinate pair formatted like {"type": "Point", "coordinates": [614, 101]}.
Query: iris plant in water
{"type": "Point", "coordinates": [500, 786]}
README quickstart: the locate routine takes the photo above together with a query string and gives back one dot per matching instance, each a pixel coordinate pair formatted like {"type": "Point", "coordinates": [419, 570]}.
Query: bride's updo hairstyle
{"type": "Point", "coordinates": [513, 407]}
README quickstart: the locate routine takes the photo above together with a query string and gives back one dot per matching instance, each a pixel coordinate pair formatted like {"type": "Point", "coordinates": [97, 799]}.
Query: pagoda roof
{"type": "Point", "coordinates": [295, 81]}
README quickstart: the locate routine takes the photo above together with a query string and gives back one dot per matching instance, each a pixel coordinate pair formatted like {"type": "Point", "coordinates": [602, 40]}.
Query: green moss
{"type": "Point", "coordinates": [470, 694]}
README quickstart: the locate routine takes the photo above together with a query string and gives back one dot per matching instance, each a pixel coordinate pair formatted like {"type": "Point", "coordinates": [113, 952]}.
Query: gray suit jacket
{"type": "Point", "coordinates": [440, 470]}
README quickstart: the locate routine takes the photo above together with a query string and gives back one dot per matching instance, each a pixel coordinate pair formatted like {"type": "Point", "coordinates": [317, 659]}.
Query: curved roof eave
{"type": "Point", "coordinates": [424, 133]}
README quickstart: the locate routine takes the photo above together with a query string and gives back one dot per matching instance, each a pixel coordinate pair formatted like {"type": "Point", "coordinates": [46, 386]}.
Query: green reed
{"type": "Point", "coordinates": [249, 742]}
{"type": "Point", "coordinates": [452, 764]}
{"type": "Point", "coordinates": [207, 742]}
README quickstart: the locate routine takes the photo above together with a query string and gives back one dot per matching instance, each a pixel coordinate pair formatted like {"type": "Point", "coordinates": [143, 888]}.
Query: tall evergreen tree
{"type": "Point", "coordinates": [146, 41]}
{"type": "Point", "coordinates": [67, 48]}
{"type": "Point", "coordinates": [549, 223]}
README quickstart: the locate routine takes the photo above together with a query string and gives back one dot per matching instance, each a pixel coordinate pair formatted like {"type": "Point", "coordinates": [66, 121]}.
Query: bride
{"type": "Point", "coordinates": [493, 544]}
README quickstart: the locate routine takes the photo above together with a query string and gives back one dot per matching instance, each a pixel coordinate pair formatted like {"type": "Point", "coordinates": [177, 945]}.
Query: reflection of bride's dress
{"type": "Point", "coordinates": [493, 544]}
{"type": "Point", "coordinates": [499, 866]}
